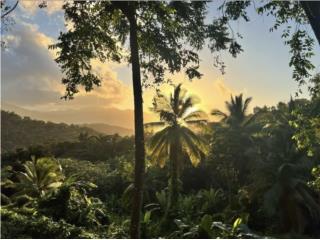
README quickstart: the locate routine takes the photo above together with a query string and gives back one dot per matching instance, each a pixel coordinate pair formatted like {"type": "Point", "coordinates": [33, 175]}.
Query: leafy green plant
{"type": "Point", "coordinates": [119, 229]}
{"type": "Point", "coordinates": [207, 228]}
{"type": "Point", "coordinates": [39, 177]}
{"type": "Point", "coordinates": [6, 184]}
{"type": "Point", "coordinates": [187, 205]}
{"type": "Point", "coordinates": [17, 225]}
{"type": "Point", "coordinates": [315, 184]}
{"type": "Point", "coordinates": [71, 202]}
{"type": "Point", "coordinates": [211, 200]}
{"type": "Point", "coordinates": [109, 182]}
{"type": "Point", "coordinates": [237, 230]}
{"type": "Point", "coordinates": [162, 199]}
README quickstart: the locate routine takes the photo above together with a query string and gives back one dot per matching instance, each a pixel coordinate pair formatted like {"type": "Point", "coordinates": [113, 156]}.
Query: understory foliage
{"type": "Point", "coordinates": [46, 204]}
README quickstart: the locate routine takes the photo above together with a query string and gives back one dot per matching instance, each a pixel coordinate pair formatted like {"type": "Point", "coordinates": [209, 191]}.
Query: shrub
{"type": "Point", "coordinates": [108, 181]}
{"type": "Point", "coordinates": [16, 225]}
{"type": "Point", "coordinates": [71, 203]}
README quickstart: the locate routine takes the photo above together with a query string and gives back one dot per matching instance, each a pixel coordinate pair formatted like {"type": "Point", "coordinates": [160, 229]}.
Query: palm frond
{"type": "Point", "coordinates": [168, 117]}
{"type": "Point", "coordinates": [160, 155]}
{"type": "Point", "coordinates": [153, 125]}
{"type": "Point", "coordinates": [176, 99]}
{"type": "Point", "coordinates": [193, 145]}
{"type": "Point", "coordinates": [218, 113]}
{"type": "Point", "coordinates": [163, 155]}
{"type": "Point", "coordinates": [158, 147]}
{"type": "Point", "coordinates": [198, 140]}
{"type": "Point", "coordinates": [157, 139]}
{"type": "Point", "coordinates": [191, 149]}
{"type": "Point", "coordinates": [251, 119]}
{"type": "Point", "coordinates": [201, 123]}
{"type": "Point", "coordinates": [198, 114]}
{"type": "Point", "coordinates": [161, 103]}
{"type": "Point", "coordinates": [246, 104]}
{"type": "Point", "coordinates": [184, 106]}
{"type": "Point", "coordinates": [187, 103]}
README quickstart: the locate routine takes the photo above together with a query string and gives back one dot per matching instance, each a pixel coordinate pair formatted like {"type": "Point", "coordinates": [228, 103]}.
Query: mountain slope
{"type": "Point", "coordinates": [109, 129]}
{"type": "Point", "coordinates": [19, 132]}
{"type": "Point", "coordinates": [84, 115]}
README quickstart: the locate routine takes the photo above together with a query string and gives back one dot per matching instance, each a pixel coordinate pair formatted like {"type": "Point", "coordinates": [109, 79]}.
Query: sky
{"type": "Point", "coordinates": [31, 80]}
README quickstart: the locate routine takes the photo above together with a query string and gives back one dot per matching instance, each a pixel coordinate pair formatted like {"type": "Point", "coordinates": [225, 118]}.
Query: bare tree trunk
{"type": "Point", "coordinates": [139, 131]}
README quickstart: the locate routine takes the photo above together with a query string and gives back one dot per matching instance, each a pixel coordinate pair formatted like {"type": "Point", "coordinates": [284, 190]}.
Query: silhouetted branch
{"type": "Point", "coordinates": [10, 10]}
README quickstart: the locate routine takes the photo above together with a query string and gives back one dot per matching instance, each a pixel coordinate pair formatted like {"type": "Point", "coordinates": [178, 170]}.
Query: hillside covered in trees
{"type": "Point", "coordinates": [21, 132]}
{"type": "Point", "coordinates": [109, 129]}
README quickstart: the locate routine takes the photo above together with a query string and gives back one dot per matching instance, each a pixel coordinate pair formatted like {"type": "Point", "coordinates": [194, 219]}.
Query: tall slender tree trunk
{"type": "Point", "coordinates": [173, 184]}
{"type": "Point", "coordinates": [139, 132]}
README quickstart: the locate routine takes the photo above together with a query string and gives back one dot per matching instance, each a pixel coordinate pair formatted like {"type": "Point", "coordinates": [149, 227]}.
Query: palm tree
{"type": "Point", "coordinates": [293, 200]}
{"type": "Point", "coordinates": [234, 136]}
{"type": "Point", "coordinates": [39, 176]}
{"type": "Point", "coordinates": [176, 139]}
{"type": "Point", "coordinates": [237, 109]}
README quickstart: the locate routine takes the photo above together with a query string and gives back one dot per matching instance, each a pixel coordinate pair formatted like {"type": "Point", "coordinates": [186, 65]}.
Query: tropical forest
{"type": "Point", "coordinates": [160, 119]}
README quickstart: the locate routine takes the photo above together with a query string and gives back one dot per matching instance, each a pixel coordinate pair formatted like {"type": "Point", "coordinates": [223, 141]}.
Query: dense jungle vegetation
{"type": "Point", "coordinates": [248, 175]}
{"type": "Point", "coordinates": [245, 176]}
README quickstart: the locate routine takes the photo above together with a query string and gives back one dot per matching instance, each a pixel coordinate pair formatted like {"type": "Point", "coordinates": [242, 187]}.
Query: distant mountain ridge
{"type": "Point", "coordinates": [20, 132]}
{"type": "Point", "coordinates": [85, 115]}
{"type": "Point", "coordinates": [109, 129]}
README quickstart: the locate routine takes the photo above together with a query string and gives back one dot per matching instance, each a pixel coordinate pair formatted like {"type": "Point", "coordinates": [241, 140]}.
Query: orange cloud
{"type": "Point", "coordinates": [31, 78]}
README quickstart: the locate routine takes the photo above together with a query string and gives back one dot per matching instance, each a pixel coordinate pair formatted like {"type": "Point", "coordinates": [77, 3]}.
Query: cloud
{"type": "Point", "coordinates": [28, 70]}
{"type": "Point", "coordinates": [32, 6]}
{"type": "Point", "coordinates": [31, 78]}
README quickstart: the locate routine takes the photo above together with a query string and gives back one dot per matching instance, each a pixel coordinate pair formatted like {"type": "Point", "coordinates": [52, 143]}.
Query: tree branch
{"type": "Point", "coordinates": [10, 10]}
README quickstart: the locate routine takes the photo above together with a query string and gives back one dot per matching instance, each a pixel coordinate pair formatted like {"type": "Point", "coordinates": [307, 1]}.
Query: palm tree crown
{"type": "Point", "coordinates": [177, 113]}
{"type": "Point", "coordinates": [237, 109]}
